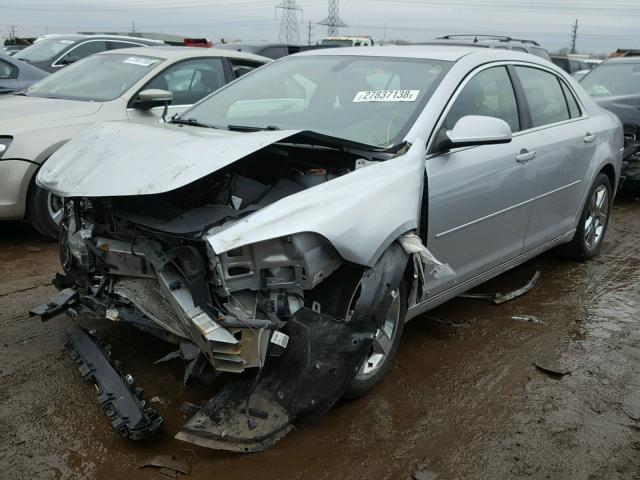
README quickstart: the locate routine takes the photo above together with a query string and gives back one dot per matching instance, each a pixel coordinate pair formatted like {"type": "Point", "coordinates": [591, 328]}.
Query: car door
{"type": "Point", "coordinates": [562, 146]}
{"type": "Point", "coordinates": [189, 81]}
{"type": "Point", "coordinates": [479, 197]}
{"type": "Point", "coordinates": [8, 77]}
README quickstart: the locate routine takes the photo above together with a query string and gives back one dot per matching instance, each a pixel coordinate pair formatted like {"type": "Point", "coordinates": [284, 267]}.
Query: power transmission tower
{"type": "Point", "coordinates": [309, 28]}
{"type": "Point", "coordinates": [12, 32]}
{"type": "Point", "coordinates": [333, 21]}
{"type": "Point", "coordinates": [289, 32]}
{"type": "Point", "coordinates": [574, 36]}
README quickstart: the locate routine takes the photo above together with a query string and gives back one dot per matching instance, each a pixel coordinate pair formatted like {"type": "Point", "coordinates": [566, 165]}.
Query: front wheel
{"type": "Point", "coordinates": [383, 348]}
{"type": "Point", "coordinates": [593, 222]}
{"type": "Point", "coordinates": [45, 211]}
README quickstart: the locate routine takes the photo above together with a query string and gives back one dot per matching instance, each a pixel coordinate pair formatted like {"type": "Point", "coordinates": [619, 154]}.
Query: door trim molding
{"type": "Point", "coordinates": [505, 210]}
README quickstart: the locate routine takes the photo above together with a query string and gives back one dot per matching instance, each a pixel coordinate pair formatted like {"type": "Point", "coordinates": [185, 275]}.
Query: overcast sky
{"type": "Point", "coordinates": [603, 25]}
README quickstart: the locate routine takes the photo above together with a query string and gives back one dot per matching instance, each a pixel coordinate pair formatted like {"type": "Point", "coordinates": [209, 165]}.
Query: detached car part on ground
{"type": "Point", "coordinates": [292, 258]}
{"type": "Point", "coordinates": [615, 85]}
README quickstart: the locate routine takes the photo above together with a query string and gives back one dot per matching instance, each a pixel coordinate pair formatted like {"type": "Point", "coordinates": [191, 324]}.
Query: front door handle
{"type": "Point", "coordinates": [525, 155]}
{"type": "Point", "coordinates": [588, 138]}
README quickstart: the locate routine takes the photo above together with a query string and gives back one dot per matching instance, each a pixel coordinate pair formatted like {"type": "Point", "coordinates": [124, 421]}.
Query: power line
{"type": "Point", "coordinates": [289, 31]}
{"type": "Point", "coordinates": [333, 21]}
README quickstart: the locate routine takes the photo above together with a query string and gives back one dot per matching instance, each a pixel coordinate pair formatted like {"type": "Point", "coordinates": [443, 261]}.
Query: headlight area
{"type": "Point", "coordinates": [4, 144]}
{"type": "Point", "coordinates": [270, 277]}
{"type": "Point", "coordinates": [225, 306]}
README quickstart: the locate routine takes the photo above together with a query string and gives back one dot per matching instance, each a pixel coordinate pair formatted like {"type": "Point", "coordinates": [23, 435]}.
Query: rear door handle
{"type": "Point", "coordinates": [588, 138]}
{"type": "Point", "coordinates": [524, 156]}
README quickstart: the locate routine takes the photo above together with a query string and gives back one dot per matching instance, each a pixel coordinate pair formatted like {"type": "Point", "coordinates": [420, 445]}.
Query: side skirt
{"type": "Point", "coordinates": [453, 292]}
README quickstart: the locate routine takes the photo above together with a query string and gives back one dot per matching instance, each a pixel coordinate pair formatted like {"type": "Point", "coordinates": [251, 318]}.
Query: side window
{"type": "Point", "coordinates": [574, 66]}
{"type": "Point", "coordinates": [83, 50]}
{"type": "Point", "coordinates": [190, 81]}
{"type": "Point", "coordinates": [574, 108]}
{"type": "Point", "coordinates": [489, 93]}
{"type": "Point", "coordinates": [117, 45]}
{"type": "Point", "coordinates": [241, 67]}
{"type": "Point", "coordinates": [544, 96]}
{"type": "Point", "coordinates": [7, 71]}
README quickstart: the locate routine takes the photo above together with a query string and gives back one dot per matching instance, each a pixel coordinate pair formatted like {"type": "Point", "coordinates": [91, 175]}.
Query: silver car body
{"type": "Point", "coordinates": [39, 126]}
{"type": "Point", "coordinates": [486, 211]}
{"type": "Point", "coordinates": [157, 231]}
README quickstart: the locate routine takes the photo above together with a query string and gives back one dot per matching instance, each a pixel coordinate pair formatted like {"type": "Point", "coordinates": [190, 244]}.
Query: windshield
{"type": "Point", "coordinates": [371, 100]}
{"type": "Point", "coordinates": [98, 78]}
{"type": "Point", "coordinates": [44, 49]}
{"type": "Point", "coordinates": [613, 79]}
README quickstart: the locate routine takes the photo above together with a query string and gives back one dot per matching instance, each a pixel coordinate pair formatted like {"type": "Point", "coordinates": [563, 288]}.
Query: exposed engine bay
{"type": "Point", "coordinates": [264, 309]}
{"type": "Point", "coordinates": [144, 256]}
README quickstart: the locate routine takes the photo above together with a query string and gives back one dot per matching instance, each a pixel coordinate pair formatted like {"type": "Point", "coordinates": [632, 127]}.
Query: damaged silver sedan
{"type": "Point", "coordinates": [285, 228]}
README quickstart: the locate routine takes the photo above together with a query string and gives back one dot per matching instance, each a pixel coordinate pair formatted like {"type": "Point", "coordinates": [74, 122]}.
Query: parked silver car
{"type": "Point", "coordinates": [288, 225]}
{"type": "Point", "coordinates": [132, 84]}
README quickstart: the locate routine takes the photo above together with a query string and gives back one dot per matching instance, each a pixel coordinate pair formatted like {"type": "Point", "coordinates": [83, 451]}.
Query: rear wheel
{"type": "Point", "coordinates": [593, 222]}
{"type": "Point", "coordinates": [45, 211]}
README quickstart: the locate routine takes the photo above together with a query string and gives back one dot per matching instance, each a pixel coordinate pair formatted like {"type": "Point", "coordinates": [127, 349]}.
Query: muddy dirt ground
{"type": "Point", "coordinates": [464, 399]}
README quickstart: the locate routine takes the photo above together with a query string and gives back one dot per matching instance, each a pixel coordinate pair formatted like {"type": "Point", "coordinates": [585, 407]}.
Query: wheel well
{"type": "Point", "coordinates": [610, 172]}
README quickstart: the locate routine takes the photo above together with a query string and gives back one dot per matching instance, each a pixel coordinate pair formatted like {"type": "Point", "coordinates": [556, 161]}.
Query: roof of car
{"type": "Point", "coordinates": [450, 53]}
{"type": "Point", "coordinates": [177, 53]}
{"type": "Point", "coordinates": [622, 60]}
{"type": "Point", "coordinates": [78, 36]}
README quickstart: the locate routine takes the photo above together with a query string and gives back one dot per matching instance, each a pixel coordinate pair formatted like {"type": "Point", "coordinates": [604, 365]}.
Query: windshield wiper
{"type": "Point", "coordinates": [191, 121]}
{"type": "Point", "coordinates": [245, 128]}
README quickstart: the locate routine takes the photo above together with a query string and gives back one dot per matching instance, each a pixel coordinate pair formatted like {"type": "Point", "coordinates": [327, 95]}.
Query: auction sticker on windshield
{"type": "Point", "coordinates": [143, 62]}
{"type": "Point", "coordinates": [386, 96]}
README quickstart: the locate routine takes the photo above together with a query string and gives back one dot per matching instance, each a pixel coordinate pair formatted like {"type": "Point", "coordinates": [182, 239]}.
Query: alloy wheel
{"type": "Point", "coordinates": [596, 221]}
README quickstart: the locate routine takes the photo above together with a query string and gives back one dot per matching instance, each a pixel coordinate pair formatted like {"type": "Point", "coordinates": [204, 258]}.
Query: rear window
{"type": "Point", "coordinates": [574, 108]}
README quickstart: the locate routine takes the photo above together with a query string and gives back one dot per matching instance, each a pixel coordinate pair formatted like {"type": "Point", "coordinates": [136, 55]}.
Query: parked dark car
{"type": "Point", "coordinates": [16, 75]}
{"type": "Point", "coordinates": [271, 50]}
{"type": "Point", "coordinates": [615, 85]}
{"type": "Point", "coordinates": [57, 51]}
{"type": "Point", "coordinates": [570, 65]}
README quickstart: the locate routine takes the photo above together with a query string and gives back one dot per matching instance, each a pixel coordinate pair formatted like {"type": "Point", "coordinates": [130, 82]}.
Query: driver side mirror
{"type": "Point", "coordinates": [472, 130]}
{"type": "Point", "coordinates": [152, 97]}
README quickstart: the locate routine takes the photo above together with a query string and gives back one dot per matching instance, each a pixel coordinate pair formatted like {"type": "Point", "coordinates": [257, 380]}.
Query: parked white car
{"type": "Point", "coordinates": [289, 224]}
{"type": "Point", "coordinates": [131, 84]}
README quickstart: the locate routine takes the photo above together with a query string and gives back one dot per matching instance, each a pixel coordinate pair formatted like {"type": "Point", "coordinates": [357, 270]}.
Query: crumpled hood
{"type": "Point", "coordinates": [19, 113]}
{"type": "Point", "coordinates": [119, 159]}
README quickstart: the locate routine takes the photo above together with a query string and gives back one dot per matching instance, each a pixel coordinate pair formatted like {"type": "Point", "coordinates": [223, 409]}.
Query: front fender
{"type": "Point", "coordinates": [360, 213]}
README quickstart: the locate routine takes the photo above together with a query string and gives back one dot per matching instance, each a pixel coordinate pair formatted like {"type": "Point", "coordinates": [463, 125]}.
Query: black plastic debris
{"type": "Point", "coordinates": [118, 396]}
{"type": "Point", "coordinates": [554, 372]}
{"type": "Point", "coordinates": [167, 465]}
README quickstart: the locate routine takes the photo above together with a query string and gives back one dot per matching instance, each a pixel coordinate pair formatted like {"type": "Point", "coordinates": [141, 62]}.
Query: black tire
{"type": "Point", "coordinates": [38, 212]}
{"type": "Point", "coordinates": [580, 248]}
{"type": "Point", "coordinates": [335, 296]}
